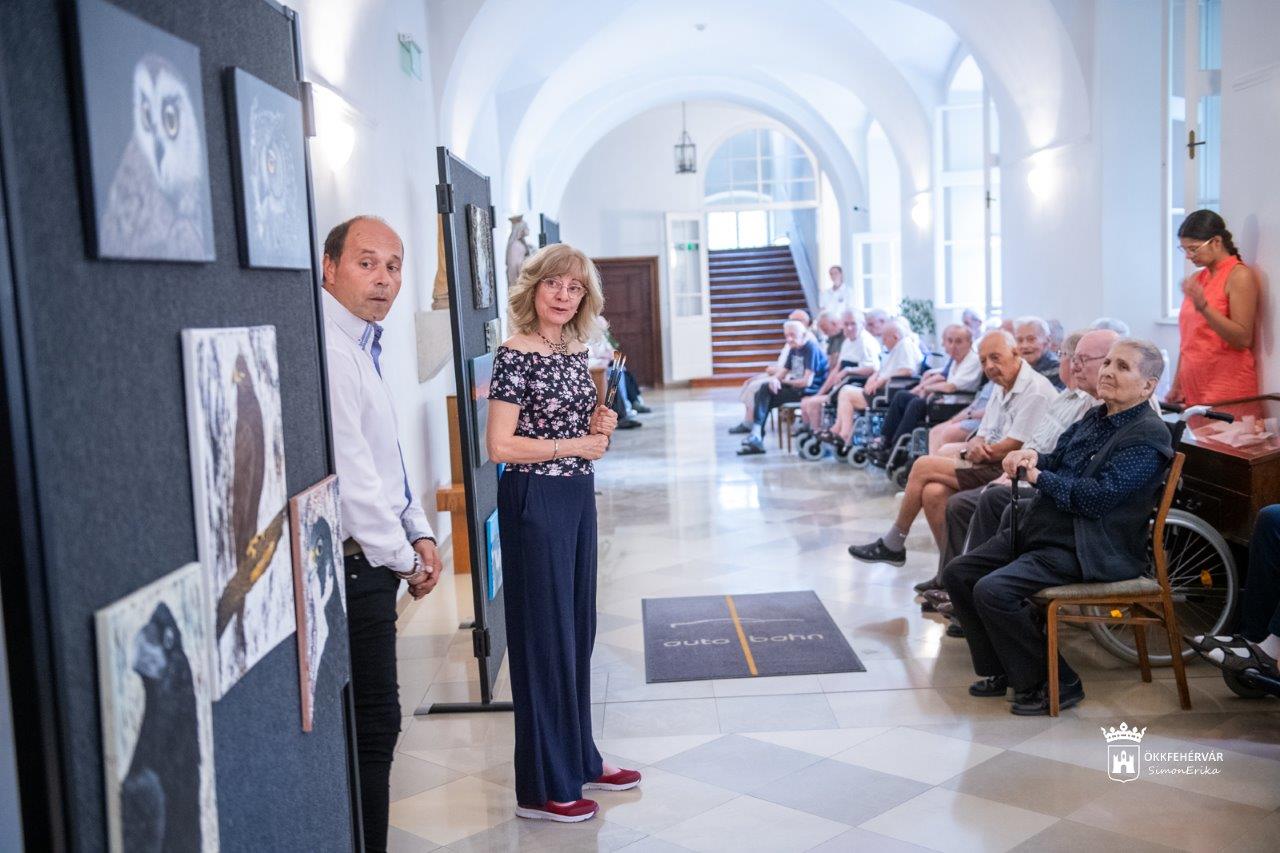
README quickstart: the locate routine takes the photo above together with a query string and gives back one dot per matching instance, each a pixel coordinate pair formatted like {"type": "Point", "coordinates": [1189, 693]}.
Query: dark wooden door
{"type": "Point", "coordinates": [631, 307]}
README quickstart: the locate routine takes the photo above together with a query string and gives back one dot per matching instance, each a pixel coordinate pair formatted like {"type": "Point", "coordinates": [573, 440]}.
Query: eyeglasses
{"type": "Point", "coordinates": [1192, 250]}
{"type": "Point", "coordinates": [572, 288]}
{"type": "Point", "coordinates": [1081, 361]}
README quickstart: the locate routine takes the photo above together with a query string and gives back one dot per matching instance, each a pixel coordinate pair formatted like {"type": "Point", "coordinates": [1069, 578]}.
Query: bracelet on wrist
{"type": "Point", "coordinates": [555, 449]}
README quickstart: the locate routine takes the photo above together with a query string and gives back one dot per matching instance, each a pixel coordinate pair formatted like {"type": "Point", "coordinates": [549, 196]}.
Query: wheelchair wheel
{"type": "Point", "coordinates": [1202, 578]}
{"type": "Point", "coordinates": [1238, 687]}
{"type": "Point", "coordinates": [900, 475]}
{"type": "Point", "coordinates": [858, 457]}
{"type": "Point", "coordinates": [809, 448]}
{"type": "Point", "coordinates": [842, 452]}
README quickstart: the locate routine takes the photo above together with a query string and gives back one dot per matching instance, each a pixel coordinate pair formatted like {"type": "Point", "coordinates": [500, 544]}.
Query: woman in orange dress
{"type": "Point", "coordinates": [1216, 359]}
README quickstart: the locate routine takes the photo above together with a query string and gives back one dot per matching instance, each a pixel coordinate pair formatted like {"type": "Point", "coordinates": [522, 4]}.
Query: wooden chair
{"type": "Point", "coordinates": [786, 422]}
{"type": "Point", "coordinates": [1138, 603]}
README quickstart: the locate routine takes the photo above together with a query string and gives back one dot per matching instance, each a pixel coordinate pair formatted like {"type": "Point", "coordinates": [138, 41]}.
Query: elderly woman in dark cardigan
{"type": "Point", "coordinates": [548, 427]}
{"type": "Point", "coordinates": [1087, 523]}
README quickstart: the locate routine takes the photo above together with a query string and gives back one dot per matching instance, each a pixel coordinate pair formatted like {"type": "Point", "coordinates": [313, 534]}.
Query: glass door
{"type": "Point", "coordinates": [688, 299]}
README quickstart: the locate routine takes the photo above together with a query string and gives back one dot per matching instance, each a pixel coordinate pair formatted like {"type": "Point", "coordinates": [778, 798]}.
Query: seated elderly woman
{"type": "Point", "coordinates": [859, 357]}
{"type": "Point", "coordinates": [1094, 497]}
{"type": "Point", "coordinates": [805, 373]}
{"type": "Point", "coordinates": [903, 359]}
{"type": "Point", "coordinates": [749, 388]}
{"type": "Point", "coordinates": [1020, 400]}
{"type": "Point", "coordinates": [962, 372]}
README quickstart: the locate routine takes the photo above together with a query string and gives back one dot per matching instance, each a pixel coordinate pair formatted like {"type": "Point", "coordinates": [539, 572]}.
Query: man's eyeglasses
{"type": "Point", "coordinates": [1191, 250]}
{"type": "Point", "coordinates": [572, 288]}
{"type": "Point", "coordinates": [1081, 361]}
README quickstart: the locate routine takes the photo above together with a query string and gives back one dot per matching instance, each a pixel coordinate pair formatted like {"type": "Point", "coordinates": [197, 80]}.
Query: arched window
{"type": "Point", "coordinates": [765, 186]}
{"type": "Point", "coordinates": [967, 152]}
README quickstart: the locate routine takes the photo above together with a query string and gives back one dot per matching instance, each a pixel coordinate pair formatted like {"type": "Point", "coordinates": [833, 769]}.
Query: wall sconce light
{"type": "Point", "coordinates": [335, 129]}
{"type": "Point", "coordinates": [921, 210]}
{"type": "Point", "coordinates": [1040, 180]}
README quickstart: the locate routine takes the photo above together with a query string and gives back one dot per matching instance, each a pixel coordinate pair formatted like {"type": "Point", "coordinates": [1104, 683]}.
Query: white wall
{"type": "Point", "coordinates": [1250, 140]}
{"type": "Point", "coordinates": [352, 48]}
{"type": "Point", "coordinates": [616, 201]}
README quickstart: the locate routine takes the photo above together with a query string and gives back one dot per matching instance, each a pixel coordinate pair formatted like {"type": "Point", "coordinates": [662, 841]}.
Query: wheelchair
{"type": "Point", "coordinates": [866, 426]}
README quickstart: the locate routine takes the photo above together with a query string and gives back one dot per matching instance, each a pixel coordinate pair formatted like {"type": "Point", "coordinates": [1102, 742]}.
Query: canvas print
{"type": "Point", "coordinates": [155, 692]}
{"type": "Point", "coordinates": [481, 377]}
{"type": "Point", "coordinates": [319, 590]}
{"type": "Point", "coordinates": [238, 481]}
{"type": "Point", "coordinates": [480, 231]}
{"type": "Point", "coordinates": [144, 131]}
{"type": "Point", "coordinates": [271, 174]}
{"type": "Point", "coordinates": [493, 547]}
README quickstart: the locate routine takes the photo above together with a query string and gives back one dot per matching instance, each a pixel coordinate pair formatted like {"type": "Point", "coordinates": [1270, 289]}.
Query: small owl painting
{"type": "Point", "coordinates": [275, 231]}
{"type": "Point", "coordinates": [145, 128]}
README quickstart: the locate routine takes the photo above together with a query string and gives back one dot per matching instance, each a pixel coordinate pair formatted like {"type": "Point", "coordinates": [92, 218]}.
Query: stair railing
{"type": "Point", "coordinates": [804, 269]}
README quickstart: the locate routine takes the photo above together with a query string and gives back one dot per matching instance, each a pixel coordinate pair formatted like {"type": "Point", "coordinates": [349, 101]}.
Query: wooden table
{"type": "Point", "coordinates": [1227, 486]}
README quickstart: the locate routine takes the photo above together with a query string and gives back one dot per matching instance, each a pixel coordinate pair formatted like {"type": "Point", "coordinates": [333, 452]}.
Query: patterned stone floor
{"type": "Point", "coordinates": [897, 758]}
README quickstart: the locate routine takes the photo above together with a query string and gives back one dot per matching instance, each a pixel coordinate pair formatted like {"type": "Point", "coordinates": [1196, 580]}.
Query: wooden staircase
{"type": "Point", "coordinates": [752, 292]}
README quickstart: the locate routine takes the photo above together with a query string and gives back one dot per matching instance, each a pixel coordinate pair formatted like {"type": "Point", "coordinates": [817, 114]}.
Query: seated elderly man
{"type": "Point", "coordinates": [1019, 401]}
{"type": "Point", "coordinates": [830, 333]}
{"type": "Point", "coordinates": [779, 368]}
{"type": "Point", "coordinates": [877, 320]}
{"type": "Point", "coordinates": [1087, 524]}
{"type": "Point", "coordinates": [962, 372]}
{"type": "Point", "coordinates": [859, 357]}
{"type": "Point", "coordinates": [1082, 355]}
{"type": "Point", "coordinates": [1035, 344]}
{"type": "Point", "coordinates": [806, 371]}
{"type": "Point", "coordinates": [903, 359]}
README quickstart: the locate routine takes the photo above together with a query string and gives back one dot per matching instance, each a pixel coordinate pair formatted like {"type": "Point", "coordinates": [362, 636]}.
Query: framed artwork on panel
{"type": "Point", "coordinates": [481, 378]}
{"type": "Point", "coordinates": [143, 135]}
{"type": "Point", "coordinates": [271, 174]}
{"type": "Point", "coordinates": [493, 550]}
{"type": "Point", "coordinates": [480, 235]}
{"type": "Point", "coordinates": [320, 593]}
{"type": "Point", "coordinates": [155, 690]}
{"type": "Point", "coordinates": [236, 441]}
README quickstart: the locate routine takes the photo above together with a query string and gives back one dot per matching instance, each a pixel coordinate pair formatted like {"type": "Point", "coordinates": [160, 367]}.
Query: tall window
{"type": "Point", "coordinates": [760, 187]}
{"type": "Point", "coordinates": [1193, 70]}
{"type": "Point", "coordinates": [967, 163]}
{"type": "Point", "coordinates": [877, 251]}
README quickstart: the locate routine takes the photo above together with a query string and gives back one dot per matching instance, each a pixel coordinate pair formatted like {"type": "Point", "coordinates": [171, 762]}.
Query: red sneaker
{"type": "Point", "coordinates": [578, 810]}
{"type": "Point", "coordinates": [623, 780]}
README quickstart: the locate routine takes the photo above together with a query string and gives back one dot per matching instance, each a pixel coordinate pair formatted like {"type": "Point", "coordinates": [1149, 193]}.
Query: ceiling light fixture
{"type": "Point", "coordinates": [686, 151]}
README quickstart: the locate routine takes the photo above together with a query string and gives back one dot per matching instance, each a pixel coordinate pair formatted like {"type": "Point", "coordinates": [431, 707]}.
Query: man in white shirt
{"type": "Point", "coordinates": [859, 356]}
{"type": "Point", "coordinates": [903, 359]}
{"type": "Point", "coordinates": [1016, 407]}
{"type": "Point", "coordinates": [961, 373]}
{"type": "Point", "coordinates": [836, 299]}
{"type": "Point", "coordinates": [779, 368]}
{"type": "Point", "coordinates": [387, 535]}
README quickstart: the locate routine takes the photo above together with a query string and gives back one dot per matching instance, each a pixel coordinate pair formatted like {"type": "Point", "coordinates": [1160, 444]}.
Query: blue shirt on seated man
{"type": "Point", "coordinates": [1095, 493]}
{"type": "Point", "coordinates": [806, 369]}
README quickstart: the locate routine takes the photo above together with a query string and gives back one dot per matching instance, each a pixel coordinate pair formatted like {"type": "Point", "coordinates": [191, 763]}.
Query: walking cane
{"type": "Point", "coordinates": [1013, 511]}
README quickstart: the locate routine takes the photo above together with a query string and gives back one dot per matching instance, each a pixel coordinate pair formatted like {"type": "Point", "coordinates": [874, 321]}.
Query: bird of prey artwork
{"type": "Point", "coordinates": [237, 450]}
{"type": "Point", "coordinates": [318, 586]}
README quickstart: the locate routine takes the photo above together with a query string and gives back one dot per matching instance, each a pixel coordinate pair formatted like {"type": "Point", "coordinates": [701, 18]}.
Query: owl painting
{"type": "Point", "coordinates": [275, 228]}
{"type": "Point", "coordinates": [145, 127]}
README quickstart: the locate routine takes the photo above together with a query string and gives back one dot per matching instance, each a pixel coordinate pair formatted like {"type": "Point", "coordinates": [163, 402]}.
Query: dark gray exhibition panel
{"type": "Point", "coordinates": [95, 416]}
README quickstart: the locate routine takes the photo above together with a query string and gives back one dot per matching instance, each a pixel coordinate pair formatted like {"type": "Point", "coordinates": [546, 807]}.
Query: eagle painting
{"type": "Point", "coordinates": [238, 454]}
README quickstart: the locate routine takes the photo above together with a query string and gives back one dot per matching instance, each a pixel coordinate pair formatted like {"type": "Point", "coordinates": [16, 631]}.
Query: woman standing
{"type": "Point", "coordinates": [546, 425]}
{"type": "Point", "coordinates": [1216, 359]}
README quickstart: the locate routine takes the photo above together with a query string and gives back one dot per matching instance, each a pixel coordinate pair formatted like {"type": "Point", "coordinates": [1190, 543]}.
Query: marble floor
{"type": "Point", "coordinates": [899, 757]}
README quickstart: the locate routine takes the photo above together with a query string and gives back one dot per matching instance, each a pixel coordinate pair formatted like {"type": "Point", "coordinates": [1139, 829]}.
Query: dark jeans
{"type": "Point", "coordinates": [990, 592]}
{"type": "Point", "coordinates": [1260, 599]}
{"type": "Point", "coordinates": [767, 400]}
{"type": "Point", "coordinates": [906, 412]}
{"type": "Point", "coordinates": [371, 625]}
{"type": "Point", "coordinates": [975, 515]}
{"type": "Point", "coordinates": [548, 531]}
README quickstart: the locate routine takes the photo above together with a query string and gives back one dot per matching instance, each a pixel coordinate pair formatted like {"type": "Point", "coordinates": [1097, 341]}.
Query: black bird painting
{"type": "Point", "coordinates": [160, 795]}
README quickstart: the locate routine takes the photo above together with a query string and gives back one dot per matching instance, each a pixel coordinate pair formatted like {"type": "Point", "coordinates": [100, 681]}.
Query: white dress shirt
{"type": "Point", "coordinates": [1064, 410]}
{"type": "Point", "coordinates": [379, 509]}
{"type": "Point", "coordinates": [1016, 413]}
{"type": "Point", "coordinates": [863, 349]}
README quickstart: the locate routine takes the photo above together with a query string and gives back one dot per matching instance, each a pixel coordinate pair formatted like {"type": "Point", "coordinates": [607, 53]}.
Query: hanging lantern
{"type": "Point", "coordinates": [686, 151]}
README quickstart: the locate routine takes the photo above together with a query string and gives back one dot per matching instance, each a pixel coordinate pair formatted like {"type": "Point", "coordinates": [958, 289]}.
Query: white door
{"type": "Point", "coordinates": [688, 298]}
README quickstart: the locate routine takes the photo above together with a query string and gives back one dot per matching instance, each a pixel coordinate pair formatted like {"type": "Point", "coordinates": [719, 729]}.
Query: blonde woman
{"type": "Point", "coordinates": [547, 426]}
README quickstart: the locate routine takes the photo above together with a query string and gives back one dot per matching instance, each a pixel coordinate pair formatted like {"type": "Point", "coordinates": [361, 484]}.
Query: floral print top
{"type": "Point", "coordinates": [556, 398]}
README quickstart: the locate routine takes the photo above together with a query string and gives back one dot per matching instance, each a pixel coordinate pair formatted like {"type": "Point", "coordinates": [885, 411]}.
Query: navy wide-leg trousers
{"type": "Point", "coordinates": [547, 526]}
